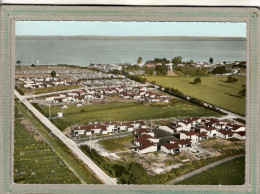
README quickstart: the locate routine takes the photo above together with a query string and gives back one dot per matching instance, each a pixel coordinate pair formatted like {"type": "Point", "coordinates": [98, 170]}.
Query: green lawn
{"type": "Point", "coordinates": [213, 90]}
{"type": "Point", "coordinates": [116, 144]}
{"type": "Point", "coordinates": [50, 89]}
{"type": "Point", "coordinates": [35, 162]}
{"type": "Point", "coordinates": [228, 173]}
{"type": "Point", "coordinates": [123, 112]}
{"type": "Point", "coordinates": [59, 148]}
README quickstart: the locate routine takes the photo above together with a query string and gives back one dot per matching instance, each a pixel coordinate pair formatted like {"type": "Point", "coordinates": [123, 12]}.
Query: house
{"type": "Point", "coordinates": [183, 144]}
{"type": "Point", "coordinates": [138, 124]}
{"type": "Point", "coordinates": [236, 128]}
{"type": "Point", "coordinates": [111, 126]}
{"type": "Point", "coordinates": [146, 144]}
{"type": "Point", "coordinates": [170, 148]}
{"type": "Point", "coordinates": [225, 134]}
{"type": "Point", "coordinates": [203, 136]}
{"type": "Point", "coordinates": [239, 135]}
{"type": "Point", "coordinates": [139, 132]}
{"type": "Point", "coordinates": [211, 131]}
{"type": "Point", "coordinates": [81, 130]}
{"type": "Point", "coordinates": [193, 136]}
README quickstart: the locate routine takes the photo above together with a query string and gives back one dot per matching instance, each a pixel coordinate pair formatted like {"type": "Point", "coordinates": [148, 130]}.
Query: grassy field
{"type": "Point", "coordinates": [35, 162]}
{"type": "Point", "coordinates": [50, 89]}
{"type": "Point", "coordinates": [59, 148]}
{"type": "Point", "coordinates": [228, 173]}
{"type": "Point", "coordinates": [213, 90]}
{"type": "Point", "coordinates": [116, 144]}
{"type": "Point", "coordinates": [123, 112]}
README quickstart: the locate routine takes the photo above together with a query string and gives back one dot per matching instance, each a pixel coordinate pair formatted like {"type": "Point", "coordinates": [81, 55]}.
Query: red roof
{"type": "Point", "coordinates": [146, 146]}
{"type": "Point", "coordinates": [191, 133]}
{"type": "Point", "coordinates": [203, 134]}
{"type": "Point", "coordinates": [171, 146]}
{"type": "Point", "coordinates": [241, 133]}
{"type": "Point", "coordinates": [209, 128]}
{"type": "Point", "coordinates": [140, 131]}
{"type": "Point", "coordinates": [225, 132]}
{"type": "Point", "coordinates": [182, 142]}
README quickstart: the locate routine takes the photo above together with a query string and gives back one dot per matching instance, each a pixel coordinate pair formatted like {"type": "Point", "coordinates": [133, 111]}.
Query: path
{"type": "Point", "coordinates": [68, 142]}
{"type": "Point", "coordinates": [203, 169]}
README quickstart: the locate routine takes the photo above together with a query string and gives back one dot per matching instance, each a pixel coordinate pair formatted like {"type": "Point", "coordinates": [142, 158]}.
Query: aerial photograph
{"type": "Point", "coordinates": [124, 103]}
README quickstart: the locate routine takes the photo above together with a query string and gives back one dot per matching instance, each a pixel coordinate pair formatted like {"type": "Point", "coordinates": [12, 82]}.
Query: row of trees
{"type": "Point", "coordinates": [176, 60]}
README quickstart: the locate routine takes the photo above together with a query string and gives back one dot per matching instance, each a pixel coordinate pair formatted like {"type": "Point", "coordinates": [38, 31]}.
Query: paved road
{"type": "Point", "coordinates": [71, 144]}
{"type": "Point", "coordinates": [205, 168]}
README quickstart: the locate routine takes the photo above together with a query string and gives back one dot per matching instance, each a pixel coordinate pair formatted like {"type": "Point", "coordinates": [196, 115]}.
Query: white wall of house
{"type": "Point", "coordinates": [166, 128]}
{"type": "Point", "coordinates": [164, 149]}
{"type": "Point", "coordinates": [239, 129]}
{"type": "Point", "coordinates": [237, 136]}
{"type": "Point", "coordinates": [110, 128]}
{"type": "Point", "coordinates": [104, 132]}
{"type": "Point", "coordinates": [148, 150]}
{"type": "Point", "coordinates": [130, 128]}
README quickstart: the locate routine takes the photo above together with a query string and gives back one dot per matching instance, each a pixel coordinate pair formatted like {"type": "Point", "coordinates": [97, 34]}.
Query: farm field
{"type": "Point", "coordinates": [50, 89]}
{"type": "Point", "coordinates": [123, 112]}
{"type": "Point", "coordinates": [78, 167]}
{"type": "Point", "coordinates": [34, 160]}
{"type": "Point", "coordinates": [116, 144]}
{"type": "Point", "coordinates": [228, 173]}
{"type": "Point", "coordinates": [213, 90]}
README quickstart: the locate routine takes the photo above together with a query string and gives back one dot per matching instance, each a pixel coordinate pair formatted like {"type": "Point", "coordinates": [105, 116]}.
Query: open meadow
{"type": "Point", "coordinates": [123, 112]}
{"type": "Point", "coordinates": [214, 90]}
{"type": "Point", "coordinates": [50, 89]}
{"type": "Point", "coordinates": [228, 173]}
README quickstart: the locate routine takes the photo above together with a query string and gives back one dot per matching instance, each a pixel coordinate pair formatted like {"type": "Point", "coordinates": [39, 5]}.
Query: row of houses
{"type": "Point", "coordinates": [46, 82]}
{"type": "Point", "coordinates": [107, 128]}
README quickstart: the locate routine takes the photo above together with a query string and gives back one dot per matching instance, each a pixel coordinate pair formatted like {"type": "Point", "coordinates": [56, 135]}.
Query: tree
{"type": "Point", "coordinates": [220, 70]}
{"type": "Point", "coordinates": [18, 62]}
{"type": "Point", "coordinates": [242, 93]}
{"type": "Point", "coordinates": [139, 60]}
{"type": "Point", "coordinates": [53, 74]}
{"type": "Point", "coordinates": [211, 60]}
{"type": "Point", "coordinates": [177, 60]}
{"type": "Point", "coordinates": [231, 79]}
{"type": "Point", "coordinates": [32, 65]}
{"type": "Point", "coordinates": [197, 80]}
{"type": "Point", "coordinates": [161, 70]}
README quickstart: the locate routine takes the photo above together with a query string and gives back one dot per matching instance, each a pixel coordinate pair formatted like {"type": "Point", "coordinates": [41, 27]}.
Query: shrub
{"type": "Point", "coordinates": [197, 80]}
{"type": "Point", "coordinates": [231, 79]}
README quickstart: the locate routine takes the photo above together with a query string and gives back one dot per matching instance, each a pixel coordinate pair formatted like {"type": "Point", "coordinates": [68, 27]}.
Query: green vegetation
{"type": "Point", "coordinates": [242, 93]}
{"type": "Point", "coordinates": [220, 70]}
{"type": "Point", "coordinates": [191, 71]}
{"type": "Point", "coordinates": [211, 60]}
{"type": "Point", "coordinates": [134, 173]}
{"type": "Point", "coordinates": [228, 173]}
{"type": "Point", "coordinates": [123, 112]}
{"type": "Point", "coordinates": [213, 90]}
{"type": "Point", "coordinates": [34, 160]}
{"type": "Point", "coordinates": [116, 144]}
{"type": "Point", "coordinates": [231, 79]}
{"type": "Point", "coordinates": [53, 74]}
{"type": "Point", "coordinates": [50, 89]}
{"type": "Point", "coordinates": [197, 80]}
{"type": "Point", "coordinates": [60, 149]}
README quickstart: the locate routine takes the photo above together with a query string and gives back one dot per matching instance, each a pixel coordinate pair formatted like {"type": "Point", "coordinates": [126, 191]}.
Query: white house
{"type": "Point", "coordinates": [211, 131]}
{"type": "Point", "coordinates": [239, 135]}
{"type": "Point", "coordinates": [237, 128]}
{"type": "Point", "coordinates": [193, 136]}
{"type": "Point", "coordinates": [171, 128]}
{"type": "Point", "coordinates": [111, 126]}
{"type": "Point", "coordinates": [170, 148]}
{"type": "Point", "coordinates": [225, 134]}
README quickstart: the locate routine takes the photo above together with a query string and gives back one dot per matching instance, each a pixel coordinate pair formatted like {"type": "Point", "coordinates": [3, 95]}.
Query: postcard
{"type": "Point", "coordinates": [132, 103]}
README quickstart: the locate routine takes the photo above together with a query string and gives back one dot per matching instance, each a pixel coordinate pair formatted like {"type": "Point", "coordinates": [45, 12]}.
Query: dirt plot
{"type": "Point", "coordinates": [111, 99]}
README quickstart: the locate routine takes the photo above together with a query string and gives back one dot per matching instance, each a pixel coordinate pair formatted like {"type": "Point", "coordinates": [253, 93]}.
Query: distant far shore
{"type": "Point", "coordinates": [174, 38]}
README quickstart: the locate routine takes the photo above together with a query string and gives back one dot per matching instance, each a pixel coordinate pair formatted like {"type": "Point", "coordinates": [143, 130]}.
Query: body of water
{"type": "Point", "coordinates": [83, 51]}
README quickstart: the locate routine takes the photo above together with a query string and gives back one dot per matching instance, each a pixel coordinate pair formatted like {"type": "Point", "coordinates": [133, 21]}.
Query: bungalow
{"type": "Point", "coordinates": [79, 99]}
{"type": "Point", "coordinates": [146, 148]}
{"type": "Point", "coordinates": [240, 135]}
{"type": "Point", "coordinates": [237, 128]}
{"type": "Point", "coordinates": [225, 134]}
{"type": "Point", "coordinates": [183, 144]}
{"type": "Point", "coordinates": [203, 136]}
{"type": "Point", "coordinates": [111, 126]}
{"type": "Point", "coordinates": [81, 130]}
{"type": "Point", "coordinates": [122, 127]}
{"type": "Point", "coordinates": [170, 148]}
{"type": "Point", "coordinates": [138, 124]}
{"type": "Point", "coordinates": [139, 132]}
{"type": "Point", "coordinates": [211, 131]}
{"type": "Point", "coordinates": [97, 129]}
{"type": "Point", "coordinates": [193, 136]}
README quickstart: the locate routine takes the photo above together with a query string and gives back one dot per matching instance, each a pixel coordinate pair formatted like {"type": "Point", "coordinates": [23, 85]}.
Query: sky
{"type": "Point", "coordinates": [99, 28]}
